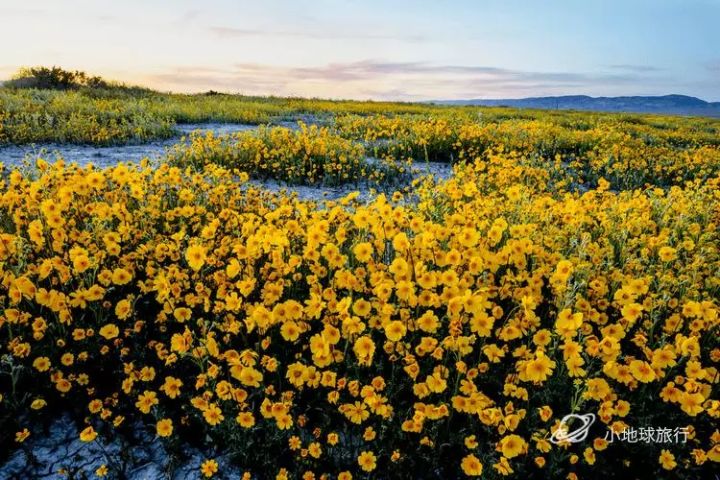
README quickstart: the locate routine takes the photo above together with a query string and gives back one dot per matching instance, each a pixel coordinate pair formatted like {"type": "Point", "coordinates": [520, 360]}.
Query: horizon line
{"type": "Point", "coordinates": [389, 100]}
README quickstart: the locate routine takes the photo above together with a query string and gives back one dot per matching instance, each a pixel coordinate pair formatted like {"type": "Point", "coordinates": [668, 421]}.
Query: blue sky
{"type": "Point", "coordinates": [405, 50]}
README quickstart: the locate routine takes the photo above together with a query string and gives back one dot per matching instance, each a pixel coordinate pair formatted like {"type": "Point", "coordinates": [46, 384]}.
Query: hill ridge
{"type": "Point", "coordinates": [664, 104]}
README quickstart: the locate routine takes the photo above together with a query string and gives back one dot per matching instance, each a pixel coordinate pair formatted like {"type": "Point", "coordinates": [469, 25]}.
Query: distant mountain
{"type": "Point", "coordinates": [665, 104]}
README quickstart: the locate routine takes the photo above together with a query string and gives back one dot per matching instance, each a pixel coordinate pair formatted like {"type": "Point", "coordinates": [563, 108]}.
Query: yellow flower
{"type": "Point", "coordinates": [164, 427]}
{"type": "Point", "coordinates": [41, 364]}
{"type": "Point", "coordinates": [290, 331]}
{"type": "Point", "coordinates": [294, 443]}
{"type": "Point", "coordinates": [642, 371]}
{"type": "Point", "coordinates": [245, 419]}
{"type": "Point", "coordinates": [67, 359]}
{"type": "Point", "coordinates": [209, 468]}
{"type": "Point", "coordinates": [395, 330]}
{"type": "Point", "coordinates": [284, 422]}
{"type": "Point", "coordinates": [362, 307]}
{"type": "Point", "coordinates": [691, 403]}
{"type": "Point", "coordinates": [469, 237]}
{"type": "Point", "coordinates": [120, 276]}
{"type": "Point", "coordinates": [81, 263]}
{"type": "Point", "coordinates": [589, 455]}
{"type": "Point", "coordinates": [567, 322]}
{"type": "Point", "coordinates": [171, 387]}
{"type": "Point", "coordinates": [109, 331]}
{"type": "Point", "coordinates": [88, 435]}
{"type": "Point", "coordinates": [195, 256]}
{"type": "Point", "coordinates": [22, 435]}
{"type": "Point", "coordinates": [631, 312]}
{"type": "Point", "coordinates": [101, 471]}
{"type": "Point", "coordinates": [315, 450]}
{"type": "Point", "coordinates": [564, 269]}
{"type": "Point", "coordinates": [123, 309]}
{"type": "Point", "coordinates": [356, 413]}
{"type": "Point", "coordinates": [428, 322]}
{"type": "Point", "coordinates": [363, 251]}
{"type": "Point", "coordinates": [714, 453]}
{"type": "Point", "coordinates": [502, 466]}
{"type": "Point", "coordinates": [63, 385]}
{"type": "Point", "coordinates": [401, 242]}
{"type": "Point", "coordinates": [471, 466]}
{"type": "Point", "coordinates": [95, 406]}
{"type": "Point", "coordinates": [213, 415]}
{"type": "Point", "coordinates": [512, 445]}
{"type": "Point", "coordinates": [181, 343]}
{"type": "Point", "coordinates": [146, 401]}
{"type": "Point", "coordinates": [367, 461]}
{"type": "Point", "coordinates": [539, 369]}
{"type": "Point", "coordinates": [364, 349]}
{"type": "Point", "coordinates": [545, 413]}
{"type": "Point", "coordinates": [667, 254]}
{"type": "Point", "coordinates": [667, 460]}
{"type": "Point", "coordinates": [182, 314]}
{"type": "Point", "coordinates": [233, 268]}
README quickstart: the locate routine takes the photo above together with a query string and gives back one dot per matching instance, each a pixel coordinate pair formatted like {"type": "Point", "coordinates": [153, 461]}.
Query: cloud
{"type": "Point", "coordinates": [636, 68]}
{"type": "Point", "coordinates": [232, 32]}
{"type": "Point", "coordinates": [400, 80]}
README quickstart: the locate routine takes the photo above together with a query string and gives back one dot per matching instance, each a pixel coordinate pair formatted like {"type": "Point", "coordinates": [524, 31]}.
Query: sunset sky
{"type": "Point", "coordinates": [403, 50]}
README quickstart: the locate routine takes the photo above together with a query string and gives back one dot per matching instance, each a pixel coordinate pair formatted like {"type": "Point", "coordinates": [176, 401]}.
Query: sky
{"type": "Point", "coordinates": [369, 49]}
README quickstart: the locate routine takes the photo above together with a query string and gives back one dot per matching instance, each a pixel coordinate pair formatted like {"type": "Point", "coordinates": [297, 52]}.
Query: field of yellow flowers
{"type": "Point", "coordinates": [571, 264]}
{"type": "Point", "coordinates": [309, 155]}
{"type": "Point", "coordinates": [109, 117]}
